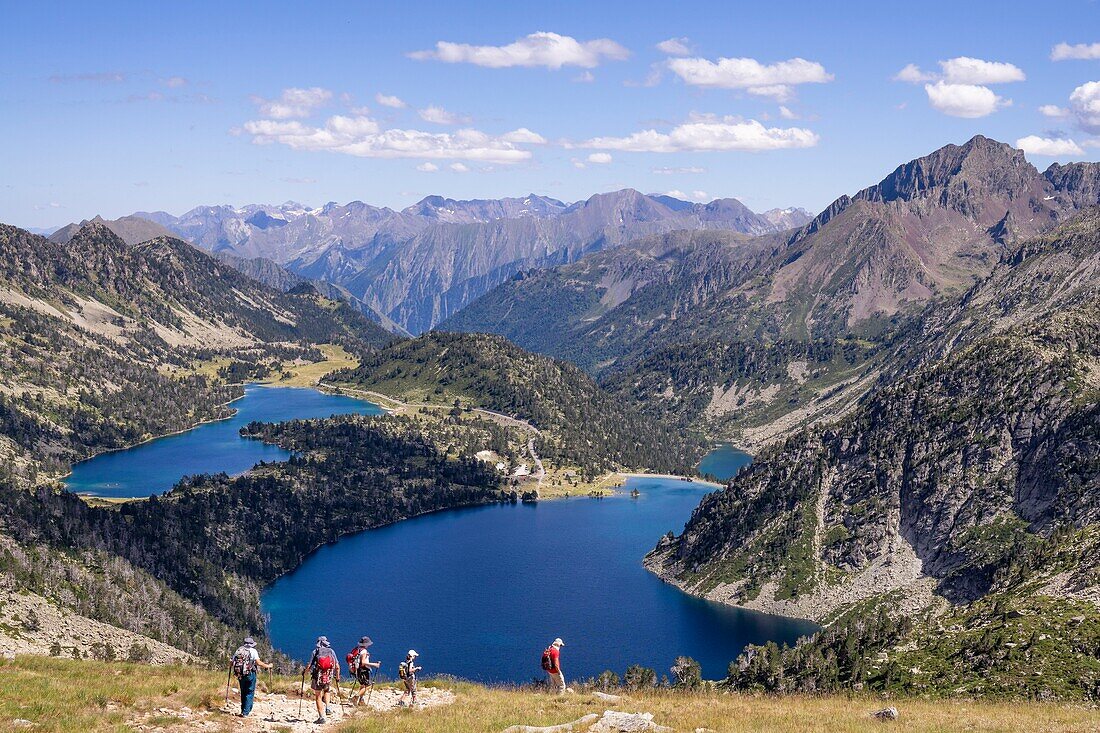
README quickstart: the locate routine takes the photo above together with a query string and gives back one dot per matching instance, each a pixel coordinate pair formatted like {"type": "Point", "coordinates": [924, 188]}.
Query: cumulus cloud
{"type": "Point", "coordinates": [1048, 146]}
{"type": "Point", "coordinates": [967, 70]}
{"type": "Point", "coordinates": [293, 102]}
{"type": "Point", "coordinates": [439, 116]}
{"type": "Point", "coordinates": [523, 135]}
{"type": "Point", "coordinates": [693, 196]}
{"type": "Point", "coordinates": [585, 77]}
{"type": "Point", "coordinates": [427, 167]}
{"type": "Point", "coordinates": [771, 80]}
{"type": "Point", "coordinates": [675, 47]}
{"type": "Point", "coordinates": [964, 100]}
{"type": "Point", "coordinates": [675, 170]}
{"type": "Point", "coordinates": [549, 50]}
{"type": "Point", "coordinates": [389, 100]}
{"type": "Point", "coordinates": [786, 113]}
{"type": "Point", "coordinates": [174, 82]}
{"type": "Point", "coordinates": [1053, 110]}
{"type": "Point", "coordinates": [912, 74]}
{"type": "Point", "coordinates": [459, 167]}
{"type": "Point", "coordinates": [600, 158]}
{"type": "Point", "coordinates": [1083, 51]}
{"type": "Point", "coordinates": [715, 134]}
{"type": "Point", "coordinates": [363, 137]}
{"type": "Point", "coordinates": [1084, 104]}
{"type": "Point", "coordinates": [51, 205]}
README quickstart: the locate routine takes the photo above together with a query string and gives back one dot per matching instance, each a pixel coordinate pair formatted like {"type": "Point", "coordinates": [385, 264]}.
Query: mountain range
{"type": "Point", "coordinates": [747, 330]}
{"type": "Point", "coordinates": [419, 265]}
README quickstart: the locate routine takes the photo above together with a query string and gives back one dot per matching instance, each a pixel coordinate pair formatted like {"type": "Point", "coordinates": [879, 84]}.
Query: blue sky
{"type": "Point", "coordinates": [110, 108]}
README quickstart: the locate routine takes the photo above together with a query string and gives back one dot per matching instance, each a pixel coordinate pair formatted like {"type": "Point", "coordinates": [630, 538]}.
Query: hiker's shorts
{"type": "Point", "coordinates": [318, 686]}
{"type": "Point", "coordinates": [363, 676]}
{"type": "Point", "coordinates": [410, 684]}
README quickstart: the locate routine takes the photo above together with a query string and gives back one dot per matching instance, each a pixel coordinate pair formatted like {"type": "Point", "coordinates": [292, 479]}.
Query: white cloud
{"type": "Point", "coordinates": [427, 167]}
{"type": "Point", "coordinates": [389, 100]}
{"type": "Point", "coordinates": [459, 167]}
{"type": "Point", "coordinates": [51, 205]}
{"type": "Point", "coordinates": [1048, 146]}
{"type": "Point", "coordinates": [693, 196]}
{"type": "Point", "coordinates": [523, 135]}
{"type": "Point", "coordinates": [1084, 103]}
{"type": "Point", "coordinates": [671, 170]}
{"type": "Point", "coordinates": [174, 82]}
{"type": "Point", "coordinates": [675, 47]}
{"type": "Point", "coordinates": [967, 70]}
{"type": "Point", "coordinates": [549, 50]}
{"type": "Point", "coordinates": [1053, 110]}
{"type": "Point", "coordinates": [964, 100]}
{"type": "Point", "coordinates": [363, 137]}
{"type": "Point", "coordinates": [710, 135]}
{"type": "Point", "coordinates": [578, 163]}
{"type": "Point", "coordinates": [439, 116]}
{"type": "Point", "coordinates": [600, 158]}
{"type": "Point", "coordinates": [585, 77]}
{"type": "Point", "coordinates": [293, 102]}
{"type": "Point", "coordinates": [770, 80]}
{"type": "Point", "coordinates": [1083, 51]}
{"type": "Point", "coordinates": [786, 113]}
{"type": "Point", "coordinates": [912, 74]}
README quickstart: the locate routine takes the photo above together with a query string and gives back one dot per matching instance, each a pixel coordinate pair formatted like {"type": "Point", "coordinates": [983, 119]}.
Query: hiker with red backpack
{"type": "Point", "coordinates": [360, 666]}
{"type": "Point", "coordinates": [551, 664]}
{"type": "Point", "coordinates": [245, 662]}
{"type": "Point", "coordinates": [324, 670]}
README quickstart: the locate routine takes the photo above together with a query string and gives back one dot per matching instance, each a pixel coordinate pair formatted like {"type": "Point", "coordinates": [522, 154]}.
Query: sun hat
{"type": "Point", "coordinates": [559, 642]}
{"type": "Point", "coordinates": [412, 653]}
{"type": "Point", "coordinates": [249, 641]}
{"type": "Point", "coordinates": [365, 641]}
{"type": "Point", "coordinates": [322, 641]}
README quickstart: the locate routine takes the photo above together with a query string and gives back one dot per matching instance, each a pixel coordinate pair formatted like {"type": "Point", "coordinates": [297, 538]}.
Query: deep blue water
{"type": "Point", "coordinates": [156, 466]}
{"type": "Point", "coordinates": [480, 592]}
{"type": "Point", "coordinates": [724, 462]}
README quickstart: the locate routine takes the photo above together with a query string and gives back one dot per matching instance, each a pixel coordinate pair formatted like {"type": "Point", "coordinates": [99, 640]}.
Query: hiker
{"type": "Point", "coordinates": [551, 662]}
{"type": "Point", "coordinates": [407, 671]}
{"type": "Point", "coordinates": [246, 662]}
{"type": "Point", "coordinates": [323, 669]}
{"type": "Point", "coordinates": [360, 666]}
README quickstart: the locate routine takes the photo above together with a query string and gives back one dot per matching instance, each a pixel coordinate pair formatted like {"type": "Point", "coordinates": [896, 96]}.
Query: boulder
{"type": "Point", "coordinates": [890, 713]}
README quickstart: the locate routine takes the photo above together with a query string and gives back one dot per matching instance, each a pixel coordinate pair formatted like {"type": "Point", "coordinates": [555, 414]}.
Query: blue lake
{"type": "Point", "coordinates": [480, 592]}
{"type": "Point", "coordinates": [724, 462]}
{"type": "Point", "coordinates": [156, 466]}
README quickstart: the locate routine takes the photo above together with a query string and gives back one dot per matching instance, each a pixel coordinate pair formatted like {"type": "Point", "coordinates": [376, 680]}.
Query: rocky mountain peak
{"type": "Point", "coordinates": [959, 176]}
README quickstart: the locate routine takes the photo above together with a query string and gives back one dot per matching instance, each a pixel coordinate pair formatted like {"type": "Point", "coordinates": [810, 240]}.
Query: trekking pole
{"type": "Point", "coordinates": [228, 677]}
{"type": "Point", "coordinates": [339, 697]}
{"type": "Point", "coordinates": [302, 694]}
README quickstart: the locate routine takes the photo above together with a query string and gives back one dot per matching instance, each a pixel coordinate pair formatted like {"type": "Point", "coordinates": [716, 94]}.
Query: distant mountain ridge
{"type": "Point", "coordinates": [654, 318]}
{"type": "Point", "coordinates": [419, 265]}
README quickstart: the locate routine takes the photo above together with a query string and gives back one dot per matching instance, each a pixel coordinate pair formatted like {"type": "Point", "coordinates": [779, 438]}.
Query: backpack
{"type": "Point", "coordinates": [243, 663]}
{"type": "Point", "coordinates": [403, 669]}
{"type": "Point", "coordinates": [352, 658]}
{"type": "Point", "coordinates": [325, 665]}
{"type": "Point", "coordinates": [548, 660]}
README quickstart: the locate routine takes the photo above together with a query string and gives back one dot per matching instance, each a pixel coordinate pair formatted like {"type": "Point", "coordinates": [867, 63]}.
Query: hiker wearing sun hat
{"type": "Point", "coordinates": [245, 663]}
{"type": "Point", "coordinates": [360, 665]}
{"type": "Point", "coordinates": [551, 663]}
{"type": "Point", "coordinates": [323, 669]}
{"type": "Point", "coordinates": [407, 672]}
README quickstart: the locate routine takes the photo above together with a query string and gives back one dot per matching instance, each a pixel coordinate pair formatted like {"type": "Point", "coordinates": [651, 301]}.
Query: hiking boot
{"type": "Point", "coordinates": [328, 710]}
{"type": "Point", "coordinates": [319, 721]}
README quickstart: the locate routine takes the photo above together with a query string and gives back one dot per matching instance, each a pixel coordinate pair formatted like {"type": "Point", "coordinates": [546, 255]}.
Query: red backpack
{"type": "Point", "coordinates": [325, 665]}
{"type": "Point", "coordinates": [548, 660]}
{"type": "Point", "coordinates": [352, 658]}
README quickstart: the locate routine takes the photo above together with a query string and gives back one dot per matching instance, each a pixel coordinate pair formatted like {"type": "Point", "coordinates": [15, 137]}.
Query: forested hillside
{"type": "Point", "coordinates": [580, 424]}
{"type": "Point", "coordinates": [98, 339]}
{"type": "Point", "coordinates": [214, 541]}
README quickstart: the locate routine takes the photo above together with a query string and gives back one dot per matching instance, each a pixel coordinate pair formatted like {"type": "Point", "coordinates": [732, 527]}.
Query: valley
{"type": "Point", "coordinates": [913, 371]}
